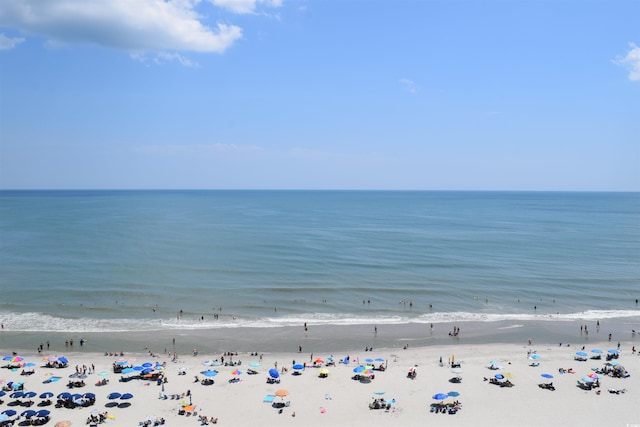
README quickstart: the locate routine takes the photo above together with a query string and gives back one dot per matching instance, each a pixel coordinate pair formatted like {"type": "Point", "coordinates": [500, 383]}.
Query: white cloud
{"type": "Point", "coordinates": [632, 62]}
{"type": "Point", "coordinates": [245, 6]}
{"type": "Point", "coordinates": [7, 43]}
{"type": "Point", "coordinates": [129, 25]}
{"type": "Point", "coordinates": [409, 85]}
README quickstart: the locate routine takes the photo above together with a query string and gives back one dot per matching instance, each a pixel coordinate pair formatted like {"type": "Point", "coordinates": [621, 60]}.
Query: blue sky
{"type": "Point", "coordinates": [333, 94]}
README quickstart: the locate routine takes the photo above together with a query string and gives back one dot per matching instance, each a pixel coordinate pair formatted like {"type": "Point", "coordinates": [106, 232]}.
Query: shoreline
{"type": "Point", "coordinates": [333, 337]}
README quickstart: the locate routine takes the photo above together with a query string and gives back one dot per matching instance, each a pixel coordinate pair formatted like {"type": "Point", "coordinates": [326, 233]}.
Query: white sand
{"type": "Point", "coordinates": [340, 401]}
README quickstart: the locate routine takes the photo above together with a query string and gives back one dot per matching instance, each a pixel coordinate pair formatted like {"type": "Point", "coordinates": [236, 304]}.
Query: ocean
{"type": "Point", "coordinates": [81, 262]}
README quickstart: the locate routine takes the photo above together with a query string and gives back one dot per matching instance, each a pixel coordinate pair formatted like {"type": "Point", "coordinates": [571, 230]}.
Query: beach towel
{"type": "Point", "coordinates": [269, 398]}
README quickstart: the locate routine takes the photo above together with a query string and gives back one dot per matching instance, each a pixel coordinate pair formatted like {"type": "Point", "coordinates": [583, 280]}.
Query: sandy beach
{"type": "Point", "coordinates": [339, 400]}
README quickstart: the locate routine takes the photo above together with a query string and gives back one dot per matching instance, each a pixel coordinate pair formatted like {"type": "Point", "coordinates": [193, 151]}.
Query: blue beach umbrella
{"type": "Point", "coordinates": [274, 373]}
{"type": "Point", "coordinates": [28, 413]}
{"type": "Point", "coordinates": [9, 412]}
{"type": "Point", "coordinates": [499, 376]}
{"type": "Point", "coordinates": [126, 396]}
{"type": "Point", "coordinates": [298, 366]}
{"type": "Point", "coordinates": [138, 368]}
{"type": "Point", "coordinates": [359, 369]}
{"type": "Point", "coordinates": [3, 417]}
{"type": "Point", "coordinates": [89, 396]}
{"type": "Point", "coordinates": [379, 392]}
{"type": "Point", "coordinates": [546, 375]}
{"type": "Point", "coordinates": [2, 393]}
{"type": "Point", "coordinates": [596, 351]}
{"type": "Point", "coordinates": [210, 373]}
{"type": "Point", "coordinates": [43, 413]}
{"type": "Point", "coordinates": [16, 395]}
{"type": "Point", "coordinates": [46, 395]}
{"type": "Point", "coordinates": [254, 364]}
{"type": "Point", "coordinates": [114, 395]}
{"type": "Point", "coordinates": [613, 351]}
{"type": "Point", "coordinates": [534, 357]}
{"type": "Point", "coordinates": [63, 360]}
{"type": "Point", "coordinates": [587, 379]}
{"type": "Point", "coordinates": [147, 364]}
{"type": "Point", "coordinates": [29, 364]}
{"type": "Point", "coordinates": [147, 370]}
{"type": "Point", "coordinates": [64, 395]}
{"type": "Point", "coordinates": [440, 396]}
{"type": "Point", "coordinates": [581, 353]}
{"type": "Point", "coordinates": [453, 394]}
{"type": "Point", "coordinates": [368, 360]}
{"type": "Point", "coordinates": [128, 370]}
{"type": "Point", "coordinates": [379, 359]}
{"type": "Point", "coordinates": [29, 394]}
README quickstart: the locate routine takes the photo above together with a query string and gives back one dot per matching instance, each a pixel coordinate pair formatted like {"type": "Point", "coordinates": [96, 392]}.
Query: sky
{"type": "Point", "coordinates": [532, 95]}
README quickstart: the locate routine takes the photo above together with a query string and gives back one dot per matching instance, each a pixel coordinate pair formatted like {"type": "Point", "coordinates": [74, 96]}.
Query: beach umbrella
{"type": "Point", "coordinates": [2, 393]}
{"type": "Point", "coordinates": [368, 360]}
{"type": "Point", "coordinates": [440, 396]}
{"type": "Point", "coordinates": [581, 354]}
{"type": "Point", "coordinates": [128, 370]}
{"type": "Point", "coordinates": [324, 371]}
{"type": "Point", "coordinates": [379, 359]}
{"type": "Point", "coordinates": [29, 394]}
{"type": "Point", "coordinates": [63, 360]}
{"type": "Point", "coordinates": [613, 351]}
{"type": "Point", "coordinates": [114, 395]}
{"type": "Point", "coordinates": [499, 376]}
{"type": "Point", "coordinates": [9, 412]}
{"type": "Point", "coordinates": [594, 376]}
{"type": "Point", "coordinates": [13, 359]}
{"type": "Point", "coordinates": [596, 351]}
{"type": "Point", "coordinates": [210, 373]}
{"type": "Point", "coordinates": [89, 396]}
{"type": "Point", "coordinates": [147, 364]}
{"type": "Point", "coordinates": [298, 366]}
{"type": "Point", "coordinates": [46, 395]}
{"type": "Point", "coordinates": [587, 379]}
{"type": "Point", "coordinates": [138, 368]}
{"type": "Point", "coordinates": [254, 364]}
{"type": "Point", "coordinates": [318, 360]}
{"type": "Point", "coordinates": [236, 372]}
{"type": "Point", "coordinates": [546, 375]}
{"type": "Point", "coordinates": [64, 395]}
{"type": "Point", "coordinates": [282, 392]}
{"type": "Point", "coordinates": [16, 395]}
{"type": "Point", "coordinates": [453, 394]}
{"type": "Point", "coordinates": [534, 357]}
{"type": "Point", "coordinates": [274, 373]}
{"type": "Point", "coordinates": [29, 364]}
{"type": "Point", "coordinates": [126, 396]}
{"type": "Point", "coordinates": [122, 362]}
{"type": "Point", "coordinates": [379, 393]}
{"type": "Point", "coordinates": [28, 413]}
{"type": "Point", "coordinates": [359, 369]}
{"type": "Point", "coordinates": [43, 413]}
{"type": "Point", "coordinates": [3, 417]}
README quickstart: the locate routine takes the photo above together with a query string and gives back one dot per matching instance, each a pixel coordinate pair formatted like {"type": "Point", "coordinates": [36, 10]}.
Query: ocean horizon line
{"type": "Point", "coordinates": [311, 190]}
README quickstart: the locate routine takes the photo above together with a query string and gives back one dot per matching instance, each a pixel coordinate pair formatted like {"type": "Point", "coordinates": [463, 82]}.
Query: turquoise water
{"type": "Point", "coordinates": [91, 261]}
